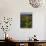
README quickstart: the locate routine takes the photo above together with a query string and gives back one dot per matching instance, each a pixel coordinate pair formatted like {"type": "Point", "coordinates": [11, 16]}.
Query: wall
{"type": "Point", "coordinates": [13, 8]}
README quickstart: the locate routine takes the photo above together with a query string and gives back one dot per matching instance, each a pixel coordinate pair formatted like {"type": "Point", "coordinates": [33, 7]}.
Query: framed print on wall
{"type": "Point", "coordinates": [26, 20]}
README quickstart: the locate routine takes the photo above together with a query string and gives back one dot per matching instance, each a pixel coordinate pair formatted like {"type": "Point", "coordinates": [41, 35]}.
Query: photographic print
{"type": "Point", "coordinates": [26, 20]}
